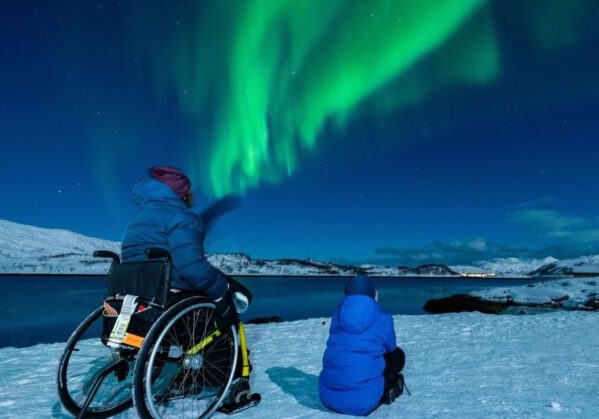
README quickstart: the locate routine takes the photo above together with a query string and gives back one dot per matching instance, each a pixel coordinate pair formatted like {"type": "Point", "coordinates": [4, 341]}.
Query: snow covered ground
{"type": "Point", "coordinates": [467, 365]}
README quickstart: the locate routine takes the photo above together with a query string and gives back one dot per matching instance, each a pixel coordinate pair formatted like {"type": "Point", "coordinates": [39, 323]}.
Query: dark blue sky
{"type": "Point", "coordinates": [508, 167]}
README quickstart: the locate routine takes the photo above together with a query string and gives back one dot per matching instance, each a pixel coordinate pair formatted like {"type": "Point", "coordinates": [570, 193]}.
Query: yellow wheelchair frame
{"type": "Point", "coordinates": [245, 371]}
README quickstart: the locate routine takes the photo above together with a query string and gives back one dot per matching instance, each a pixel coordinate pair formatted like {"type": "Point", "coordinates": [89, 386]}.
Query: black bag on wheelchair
{"type": "Point", "coordinates": [137, 295]}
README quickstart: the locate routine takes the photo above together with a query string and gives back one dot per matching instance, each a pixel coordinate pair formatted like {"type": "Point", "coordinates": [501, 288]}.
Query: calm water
{"type": "Point", "coordinates": [36, 309]}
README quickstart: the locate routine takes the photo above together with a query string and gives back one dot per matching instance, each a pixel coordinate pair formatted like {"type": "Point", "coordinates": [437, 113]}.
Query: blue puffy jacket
{"type": "Point", "coordinates": [352, 380]}
{"type": "Point", "coordinates": [164, 221]}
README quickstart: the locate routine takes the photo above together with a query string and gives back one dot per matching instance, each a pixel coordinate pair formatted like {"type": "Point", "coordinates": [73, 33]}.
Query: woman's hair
{"type": "Point", "coordinates": [173, 177]}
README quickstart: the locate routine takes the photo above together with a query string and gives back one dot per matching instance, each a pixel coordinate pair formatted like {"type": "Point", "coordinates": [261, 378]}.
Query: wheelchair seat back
{"type": "Point", "coordinates": [149, 280]}
{"type": "Point", "coordinates": [127, 319]}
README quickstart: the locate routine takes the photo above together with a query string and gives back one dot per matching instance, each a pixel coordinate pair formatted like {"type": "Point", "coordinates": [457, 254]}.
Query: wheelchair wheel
{"type": "Point", "coordinates": [84, 362]}
{"type": "Point", "coordinates": [185, 366]}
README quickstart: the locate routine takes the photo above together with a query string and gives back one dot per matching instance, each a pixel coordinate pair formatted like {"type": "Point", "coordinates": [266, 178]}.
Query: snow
{"type": "Point", "coordinates": [571, 293]}
{"type": "Point", "coordinates": [505, 267]}
{"type": "Point", "coordinates": [240, 264]}
{"type": "Point", "coordinates": [28, 249]}
{"type": "Point", "coordinates": [458, 365]}
{"type": "Point", "coordinates": [583, 264]}
{"type": "Point", "coordinates": [549, 266]}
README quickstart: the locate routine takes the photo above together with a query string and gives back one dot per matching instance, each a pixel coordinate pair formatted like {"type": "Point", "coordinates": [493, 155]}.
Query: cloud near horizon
{"type": "Point", "coordinates": [563, 236]}
{"type": "Point", "coordinates": [551, 224]}
{"type": "Point", "coordinates": [450, 253]}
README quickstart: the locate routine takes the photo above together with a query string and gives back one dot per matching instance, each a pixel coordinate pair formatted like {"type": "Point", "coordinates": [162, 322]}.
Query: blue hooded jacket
{"type": "Point", "coordinates": [165, 222]}
{"type": "Point", "coordinates": [351, 380]}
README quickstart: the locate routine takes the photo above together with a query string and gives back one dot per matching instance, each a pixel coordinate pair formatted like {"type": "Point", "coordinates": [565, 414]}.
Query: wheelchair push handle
{"type": "Point", "coordinates": [107, 254]}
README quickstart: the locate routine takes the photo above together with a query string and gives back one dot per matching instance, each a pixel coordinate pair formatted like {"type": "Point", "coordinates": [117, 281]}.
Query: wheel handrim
{"type": "Point", "coordinates": [85, 360]}
{"type": "Point", "coordinates": [189, 390]}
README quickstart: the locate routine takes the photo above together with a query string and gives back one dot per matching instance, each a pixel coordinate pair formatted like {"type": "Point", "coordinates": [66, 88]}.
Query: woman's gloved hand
{"type": "Point", "coordinates": [241, 302]}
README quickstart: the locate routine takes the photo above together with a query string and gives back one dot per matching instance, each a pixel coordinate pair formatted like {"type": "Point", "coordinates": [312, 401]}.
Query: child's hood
{"type": "Point", "coordinates": [357, 313]}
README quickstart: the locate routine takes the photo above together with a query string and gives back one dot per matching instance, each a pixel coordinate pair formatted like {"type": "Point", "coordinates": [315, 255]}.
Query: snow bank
{"type": "Point", "coordinates": [458, 365]}
{"type": "Point", "coordinates": [572, 293]}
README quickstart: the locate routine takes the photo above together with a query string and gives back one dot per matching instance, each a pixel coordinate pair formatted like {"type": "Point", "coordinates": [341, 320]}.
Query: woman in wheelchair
{"type": "Point", "coordinates": [170, 326]}
{"type": "Point", "coordinates": [165, 220]}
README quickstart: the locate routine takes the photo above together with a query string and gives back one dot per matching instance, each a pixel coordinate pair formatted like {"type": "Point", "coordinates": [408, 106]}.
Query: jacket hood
{"type": "Point", "coordinates": [152, 190]}
{"type": "Point", "coordinates": [357, 313]}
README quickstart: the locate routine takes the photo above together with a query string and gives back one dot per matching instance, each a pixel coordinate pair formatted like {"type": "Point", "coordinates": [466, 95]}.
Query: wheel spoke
{"type": "Point", "coordinates": [197, 381]}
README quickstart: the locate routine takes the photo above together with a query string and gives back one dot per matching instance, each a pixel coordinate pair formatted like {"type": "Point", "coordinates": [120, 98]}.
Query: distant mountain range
{"type": "Point", "coordinates": [240, 264]}
{"type": "Point", "coordinates": [28, 249]}
{"type": "Point", "coordinates": [584, 265]}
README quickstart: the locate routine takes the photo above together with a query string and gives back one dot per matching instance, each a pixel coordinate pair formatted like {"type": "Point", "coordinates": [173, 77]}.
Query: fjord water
{"type": "Point", "coordinates": [38, 308]}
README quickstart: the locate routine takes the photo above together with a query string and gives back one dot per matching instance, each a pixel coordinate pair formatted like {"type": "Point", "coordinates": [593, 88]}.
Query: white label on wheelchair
{"type": "Point", "coordinates": [122, 322]}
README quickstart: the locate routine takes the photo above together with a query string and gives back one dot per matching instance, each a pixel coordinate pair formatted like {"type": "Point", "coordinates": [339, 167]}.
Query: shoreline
{"type": "Point", "coordinates": [507, 278]}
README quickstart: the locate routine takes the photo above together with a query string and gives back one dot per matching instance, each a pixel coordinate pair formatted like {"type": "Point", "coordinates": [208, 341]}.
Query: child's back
{"type": "Point", "coordinates": [361, 333]}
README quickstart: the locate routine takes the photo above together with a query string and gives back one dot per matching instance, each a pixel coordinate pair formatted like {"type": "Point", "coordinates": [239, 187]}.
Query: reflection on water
{"type": "Point", "coordinates": [36, 309]}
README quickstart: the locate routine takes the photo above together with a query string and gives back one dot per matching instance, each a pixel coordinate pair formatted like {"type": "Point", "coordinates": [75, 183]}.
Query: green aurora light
{"type": "Point", "coordinates": [262, 79]}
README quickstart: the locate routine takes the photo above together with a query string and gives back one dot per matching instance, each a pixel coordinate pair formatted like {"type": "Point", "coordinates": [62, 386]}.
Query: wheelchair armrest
{"type": "Point", "coordinates": [107, 254]}
{"type": "Point", "coordinates": [157, 253]}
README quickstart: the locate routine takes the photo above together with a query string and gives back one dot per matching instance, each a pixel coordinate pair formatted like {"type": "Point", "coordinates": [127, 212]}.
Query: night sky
{"type": "Point", "coordinates": [398, 132]}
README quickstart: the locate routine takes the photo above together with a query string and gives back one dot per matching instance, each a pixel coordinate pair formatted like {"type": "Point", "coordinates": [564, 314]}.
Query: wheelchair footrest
{"type": "Point", "coordinates": [238, 406]}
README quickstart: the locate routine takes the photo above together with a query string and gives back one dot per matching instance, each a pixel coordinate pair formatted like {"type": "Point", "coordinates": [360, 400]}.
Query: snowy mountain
{"type": "Point", "coordinates": [505, 267]}
{"type": "Point", "coordinates": [549, 266]}
{"type": "Point", "coordinates": [568, 267]}
{"type": "Point", "coordinates": [241, 264]}
{"type": "Point", "coordinates": [28, 249]}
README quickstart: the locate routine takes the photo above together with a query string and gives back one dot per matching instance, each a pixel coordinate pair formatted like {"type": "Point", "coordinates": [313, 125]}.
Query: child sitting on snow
{"type": "Point", "coordinates": [362, 363]}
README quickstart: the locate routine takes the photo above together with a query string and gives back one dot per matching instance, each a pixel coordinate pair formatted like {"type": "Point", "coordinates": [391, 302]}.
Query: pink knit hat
{"type": "Point", "coordinates": [173, 177]}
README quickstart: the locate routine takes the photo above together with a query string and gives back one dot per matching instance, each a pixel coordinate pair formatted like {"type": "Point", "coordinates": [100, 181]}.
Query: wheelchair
{"type": "Point", "coordinates": [159, 350]}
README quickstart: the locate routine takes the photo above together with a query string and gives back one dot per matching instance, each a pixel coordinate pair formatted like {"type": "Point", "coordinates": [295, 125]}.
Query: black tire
{"type": "Point", "coordinates": [168, 381]}
{"type": "Point", "coordinates": [83, 358]}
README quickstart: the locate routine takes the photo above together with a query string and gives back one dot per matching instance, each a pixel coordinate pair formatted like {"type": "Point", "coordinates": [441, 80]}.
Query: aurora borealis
{"type": "Point", "coordinates": [288, 68]}
{"type": "Point", "coordinates": [400, 114]}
